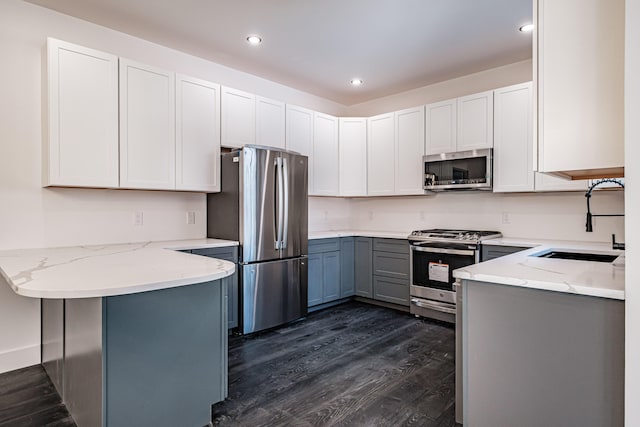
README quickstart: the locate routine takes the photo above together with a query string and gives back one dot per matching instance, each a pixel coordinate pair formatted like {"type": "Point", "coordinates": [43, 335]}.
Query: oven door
{"type": "Point", "coordinates": [432, 270]}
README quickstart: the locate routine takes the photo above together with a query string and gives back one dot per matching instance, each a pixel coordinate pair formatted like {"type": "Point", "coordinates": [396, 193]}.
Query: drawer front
{"type": "Point", "coordinates": [324, 245]}
{"type": "Point", "coordinates": [491, 252]}
{"type": "Point", "coordinates": [229, 253]}
{"type": "Point", "coordinates": [400, 246]}
{"type": "Point", "coordinates": [390, 264]}
{"type": "Point", "coordinates": [391, 290]}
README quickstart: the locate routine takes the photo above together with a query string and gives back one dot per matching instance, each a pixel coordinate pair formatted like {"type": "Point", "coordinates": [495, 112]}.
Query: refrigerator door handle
{"type": "Point", "coordinates": [285, 230]}
{"type": "Point", "coordinates": [280, 203]}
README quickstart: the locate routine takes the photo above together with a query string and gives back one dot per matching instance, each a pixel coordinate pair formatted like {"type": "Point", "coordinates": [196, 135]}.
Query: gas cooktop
{"type": "Point", "coordinates": [445, 235]}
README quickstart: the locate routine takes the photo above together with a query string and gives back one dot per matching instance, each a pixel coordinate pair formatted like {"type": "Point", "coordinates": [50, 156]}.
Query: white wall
{"type": "Point", "coordinates": [632, 212]}
{"type": "Point", "coordinates": [31, 216]}
{"type": "Point", "coordinates": [494, 78]}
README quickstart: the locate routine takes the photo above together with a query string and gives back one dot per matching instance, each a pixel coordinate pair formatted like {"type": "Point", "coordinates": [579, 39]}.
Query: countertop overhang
{"type": "Point", "coordinates": [109, 270]}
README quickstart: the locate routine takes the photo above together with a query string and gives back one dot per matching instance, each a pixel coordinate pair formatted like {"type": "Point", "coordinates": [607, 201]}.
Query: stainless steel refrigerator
{"type": "Point", "coordinates": [263, 205]}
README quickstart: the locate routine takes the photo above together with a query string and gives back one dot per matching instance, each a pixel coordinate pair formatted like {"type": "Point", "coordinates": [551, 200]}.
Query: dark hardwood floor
{"type": "Point", "coordinates": [29, 399]}
{"type": "Point", "coordinates": [351, 365]}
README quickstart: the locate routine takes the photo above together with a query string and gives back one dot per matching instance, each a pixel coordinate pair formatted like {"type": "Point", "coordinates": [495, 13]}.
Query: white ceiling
{"type": "Point", "coordinates": [318, 46]}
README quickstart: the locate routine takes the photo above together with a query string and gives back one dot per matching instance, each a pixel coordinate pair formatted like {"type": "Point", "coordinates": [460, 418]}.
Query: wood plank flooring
{"type": "Point", "coordinates": [350, 365]}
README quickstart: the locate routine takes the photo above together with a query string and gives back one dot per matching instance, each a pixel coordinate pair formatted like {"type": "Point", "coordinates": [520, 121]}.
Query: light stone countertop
{"type": "Point", "coordinates": [108, 270]}
{"type": "Point", "coordinates": [313, 235]}
{"type": "Point", "coordinates": [521, 269]}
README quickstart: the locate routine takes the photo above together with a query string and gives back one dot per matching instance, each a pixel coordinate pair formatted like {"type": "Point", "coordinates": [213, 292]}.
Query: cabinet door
{"type": "Point", "coordinates": [545, 182]}
{"type": "Point", "coordinates": [513, 140]}
{"type": "Point", "coordinates": [475, 121]}
{"type": "Point", "coordinates": [409, 149]}
{"type": "Point", "coordinates": [238, 117]}
{"type": "Point", "coordinates": [580, 77]}
{"type": "Point", "coordinates": [330, 276]}
{"type": "Point", "coordinates": [352, 135]}
{"type": "Point", "coordinates": [147, 127]}
{"type": "Point", "coordinates": [326, 180]}
{"type": "Point", "coordinates": [270, 129]}
{"type": "Point", "coordinates": [364, 267]}
{"type": "Point", "coordinates": [380, 155]}
{"type": "Point", "coordinates": [299, 135]}
{"type": "Point", "coordinates": [82, 148]}
{"type": "Point", "coordinates": [315, 282]}
{"type": "Point", "coordinates": [347, 267]}
{"type": "Point", "coordinates": [395, 291]}
{"type": "Point", "coordinates": [197, 135]}
{"type": "Point", "coordinates": [441, 127]}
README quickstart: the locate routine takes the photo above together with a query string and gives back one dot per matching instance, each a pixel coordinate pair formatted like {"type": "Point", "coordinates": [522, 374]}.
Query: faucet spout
{"type": "Point", "coordinates": [589, 224]}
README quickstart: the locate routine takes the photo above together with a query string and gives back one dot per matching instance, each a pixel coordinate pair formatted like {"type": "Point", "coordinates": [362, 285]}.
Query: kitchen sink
{"type": "Point", "coordinates": [579, 256]}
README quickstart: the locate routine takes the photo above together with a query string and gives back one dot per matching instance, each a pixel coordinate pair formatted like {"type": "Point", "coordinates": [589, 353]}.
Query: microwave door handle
{"type": "Point", "coordinates": [285, 211]}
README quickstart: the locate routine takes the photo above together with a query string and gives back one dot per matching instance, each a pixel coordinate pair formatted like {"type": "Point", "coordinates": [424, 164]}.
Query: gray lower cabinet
{"type": "Point", "coordinates": [347, 267]}
{"type": "Point", "coordinates": [391, 271]}
{"type": "Point", "coordinates": [363, 267]}
{"type": "Point", "coordinates": [489, 252]}
{"type": "Point", "coordinates": [324, 271]}
{"type": "Point", "coordinates": [228, 253]}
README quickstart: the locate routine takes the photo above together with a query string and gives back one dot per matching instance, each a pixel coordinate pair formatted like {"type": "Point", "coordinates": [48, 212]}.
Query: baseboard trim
{"type": "Point", "coordinates": [19, 358]}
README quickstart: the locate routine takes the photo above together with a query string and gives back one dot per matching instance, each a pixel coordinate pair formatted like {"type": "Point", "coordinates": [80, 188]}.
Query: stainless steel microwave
{"type": "Point", "coordinates": [462, 170]}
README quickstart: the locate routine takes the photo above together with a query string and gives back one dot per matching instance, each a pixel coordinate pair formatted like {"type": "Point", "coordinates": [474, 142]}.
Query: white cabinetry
{"type": "Point", "coordinates": [299, 135]}
{"type": "Point", "coordinates": [409, 149]}
{"type": "Point", "coordinates": [475, 121]}
{"type": "Point", "coordinates": [326, 179]}
{"type": "Point", "coordinates": [197, 135]}
{"type": "Point", "coordinates": [270, 122]}
{"type": "Point", "coordinates": [82, 145]}
{"type": "Point", "coordinates": [441, 127]}
{"type": "Point", "coordinates": [238, 118]}
{"type": "Point", "coordinates": [147, 127]}
{"type": "Point", "coordinates": [580, 87]}
{"type": "Point", "coordinates": [353, 156]}
{"type": "Point", "coordinates": [545, 182]}
{"type": "Point", "coordinates": [380, 155]}
{"type": "Point", "coordinates": [513, 141]}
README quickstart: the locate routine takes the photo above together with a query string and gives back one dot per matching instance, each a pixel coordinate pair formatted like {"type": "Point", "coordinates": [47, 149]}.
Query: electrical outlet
{"type": "Point", "coordinates": [191, 217]}
{"type": "Point", "coordinates": [138, 219]}
{"type": "Point", "coordinates": [506, 218]}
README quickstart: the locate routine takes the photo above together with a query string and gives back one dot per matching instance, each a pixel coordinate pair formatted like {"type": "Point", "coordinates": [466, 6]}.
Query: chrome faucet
{"type": "Point", "coordinates": [589, 224]}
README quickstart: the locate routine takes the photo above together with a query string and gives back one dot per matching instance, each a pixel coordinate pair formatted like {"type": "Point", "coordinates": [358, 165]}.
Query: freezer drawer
{"type": "Point", "coordinates": [273, 293]}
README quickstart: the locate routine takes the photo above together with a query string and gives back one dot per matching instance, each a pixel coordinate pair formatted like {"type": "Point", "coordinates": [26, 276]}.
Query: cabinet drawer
{"type": "Point", "coordinates": [324, 245]}
{"type": "Point", "coordinates": [391, 264]}
{"type": "Point", "coordinates": [391, 245]}
{"type": "Point", "coordinates": [491, 252]}
{"type": "Point", "coordinates": [229, 253]}
{"type": "Point", "coordinates": [395, 291]}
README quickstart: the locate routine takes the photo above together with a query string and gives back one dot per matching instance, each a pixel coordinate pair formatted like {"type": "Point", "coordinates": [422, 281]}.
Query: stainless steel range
{"type": "Point", "coordinates": [434, 255]}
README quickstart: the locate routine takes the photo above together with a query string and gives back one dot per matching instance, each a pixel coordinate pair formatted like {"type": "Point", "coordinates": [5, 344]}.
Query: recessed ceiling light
{"type": "Point", "coordinates": [527, 28]}
{"type": "Point", "coordinates": [356, 82]}
{"type": "Point", "coordinates": [254, 40]}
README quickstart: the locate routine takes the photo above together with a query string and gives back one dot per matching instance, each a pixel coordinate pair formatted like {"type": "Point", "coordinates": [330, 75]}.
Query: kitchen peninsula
{"type": "Point", "coordinates": [132, 334]}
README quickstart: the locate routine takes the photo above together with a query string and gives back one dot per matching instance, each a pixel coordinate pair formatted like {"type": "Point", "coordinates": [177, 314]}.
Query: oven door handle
{"type": "Point", "coordinates": [433, 305]}
{"type": "Point", "coordinates": [443, 251]}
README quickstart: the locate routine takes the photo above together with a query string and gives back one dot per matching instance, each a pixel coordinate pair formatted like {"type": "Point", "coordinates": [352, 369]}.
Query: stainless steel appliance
{"type": "Point", "coordinates": [434, 255]}
{"type": "Point", "coordinates": [462, 170]}
{"type": "Point", "coordinates": [263, 205]}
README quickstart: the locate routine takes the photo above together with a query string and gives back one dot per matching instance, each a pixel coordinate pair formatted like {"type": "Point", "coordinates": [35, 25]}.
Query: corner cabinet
{"type": "Point", "coordinates": [352, 135]}
{"type": "Point", "coordinates": [326, 179]}
{"type": "Point", "coordinates": [197, 135]}
{"type": "Point", "coordinates": [579, 50]}
{"type": "Point", "coordinates": [147, 127]}
{"type": "Point", "coordinates": [82, 145]}
{"type": "Point", "coordinates": [238, 117]}
{"type": "Point", "coordinates": [363, 266]}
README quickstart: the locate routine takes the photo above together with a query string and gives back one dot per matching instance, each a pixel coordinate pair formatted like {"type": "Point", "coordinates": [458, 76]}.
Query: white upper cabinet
{"type": "Point", "coordinates": [197, 135]}
{"type": "Point", "coordinates": [545, 182]}
{"type": "Point", "coordinates": [238, 118]}
{"type": "Point", "coordinates": [409, 149]}
{"type": "Point", "coordinates": [147, 127]}
{"type": "Point", "coordinates": [513, 140]}
{"type": "Point", "coordinates": [441, 127]}
{"type": "Point", "coordinates": [580, 87]}
{"type": "Point", "coordinates": [353, 156]}
{"type": "Point", "coordinates": [326, 180]}
{"type": "Point", "coordinates": [82, 147]}
{"type": "Point", "coordinates": [381, 155]}
{"type": "Point", "coordinates": [270, 122]}
{"type": "Point", "coordinates": [299, 135]}
{"type": "Point", "coordinates": [475, 121]}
